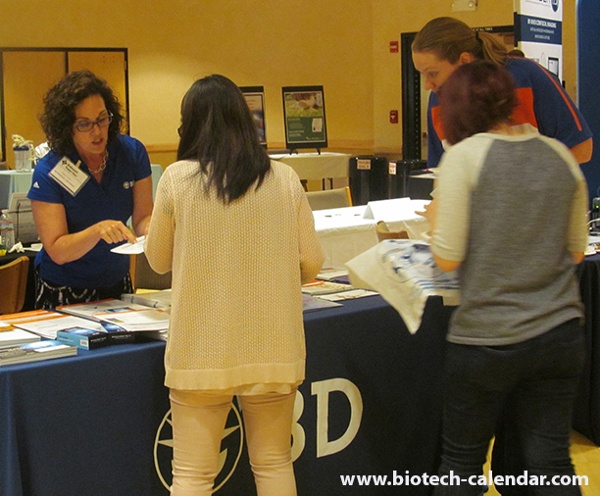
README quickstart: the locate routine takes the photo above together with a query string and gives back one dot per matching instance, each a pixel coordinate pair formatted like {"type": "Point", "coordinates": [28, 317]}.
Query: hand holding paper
{"type": "Point", "coordinates": [131, 248]}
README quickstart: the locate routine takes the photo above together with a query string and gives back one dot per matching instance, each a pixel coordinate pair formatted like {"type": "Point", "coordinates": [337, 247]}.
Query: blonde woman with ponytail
{"type": "Point", "coordinates": [445, 44]}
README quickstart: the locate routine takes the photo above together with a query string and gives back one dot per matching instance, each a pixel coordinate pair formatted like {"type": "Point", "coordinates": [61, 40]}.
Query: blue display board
{"type": "Point", "coordinates": [538, 32]}
{"type": "Point", "coordinates": [588, 70]}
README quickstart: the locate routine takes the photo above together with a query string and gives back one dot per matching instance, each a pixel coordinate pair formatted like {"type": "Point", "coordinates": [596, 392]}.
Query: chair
{"type": "Point", "coordinates": [13, 284]}
{"type": "Point", "coordinates": [143, 276]}
{"type": "Point", "coordinates": [329, 198]}
{"type": "Point", "coordinates": [383, 232]}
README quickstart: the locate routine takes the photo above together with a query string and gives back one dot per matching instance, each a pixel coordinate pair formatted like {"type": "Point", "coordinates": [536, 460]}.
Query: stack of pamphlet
{"type": "Point", "coordinates": [53, 325]}
{"type": "Point", "coordinates": [162, 299]}
{"type": "Point", "coordinates": [311, 304]}
{"type": "Point", "coordinates": [121, 318]}
{"type": "Point", "coordinates": [9, 336]}
{"type": "Point", "coordinates": [32, 352]}
{"type": "Point", "coordinates": [319, 287]}
{"type": "Point", "coordinates": [334, 274]}
{"type": "Point", "coordinates": [153, 299]}
{"type": "Point", "coordinates": [46, 323]}
{"type": "Point", "coordinates": [334, 291]}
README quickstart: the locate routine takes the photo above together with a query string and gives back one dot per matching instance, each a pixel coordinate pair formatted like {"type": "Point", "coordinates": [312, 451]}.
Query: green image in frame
{"type": "Point", "coordinates": [304, 115]}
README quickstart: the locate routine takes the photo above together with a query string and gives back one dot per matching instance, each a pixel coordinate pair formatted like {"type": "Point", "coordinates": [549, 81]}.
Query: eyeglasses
{"type": "Point", "coordinates": [87, 126]}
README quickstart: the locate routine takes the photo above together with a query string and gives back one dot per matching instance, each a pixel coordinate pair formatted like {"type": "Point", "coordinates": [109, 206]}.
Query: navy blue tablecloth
{"type": "Point", "coordinates": [587, 407]}
{"type": "Point", "coordinates": [97, 424]}
{"type": "Point", "coordinates": [83, 425]}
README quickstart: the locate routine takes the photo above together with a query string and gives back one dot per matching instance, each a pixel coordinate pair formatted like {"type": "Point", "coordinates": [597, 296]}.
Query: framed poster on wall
{"type": "Point", "coordinates": [304, 117]}
{"type": "Point", "coordinates": [255, 98]}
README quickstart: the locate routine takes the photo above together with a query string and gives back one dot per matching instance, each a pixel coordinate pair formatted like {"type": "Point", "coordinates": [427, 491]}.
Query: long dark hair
{"type": "Point", "coordinates": [63, 98]}
{"type": "Point", "coordinates": [476, 98]}
{"type": "Point", "coordinates": [217, 130]}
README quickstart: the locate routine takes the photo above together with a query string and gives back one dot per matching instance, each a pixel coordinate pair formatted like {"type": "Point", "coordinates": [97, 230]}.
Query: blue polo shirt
{"type": "Point", "coordinates": [542, 102]}
{"type": "Point", "coordinates": [127, 163]}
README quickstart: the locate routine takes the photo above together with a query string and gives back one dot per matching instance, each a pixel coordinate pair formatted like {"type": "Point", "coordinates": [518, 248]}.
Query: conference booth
{"type": "Point", "coordinates": [99, 423]}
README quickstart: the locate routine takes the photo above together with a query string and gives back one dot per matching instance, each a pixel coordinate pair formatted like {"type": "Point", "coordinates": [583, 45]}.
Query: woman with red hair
{"type": "Point", "coordinates": [516, 338]}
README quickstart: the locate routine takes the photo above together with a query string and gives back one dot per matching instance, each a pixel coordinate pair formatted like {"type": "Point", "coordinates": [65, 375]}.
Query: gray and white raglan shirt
{"type": "Point", "coordinates": [511, 209]}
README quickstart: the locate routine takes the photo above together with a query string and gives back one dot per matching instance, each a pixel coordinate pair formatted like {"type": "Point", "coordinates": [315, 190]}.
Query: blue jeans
{"type": "Point", "coordinates": [537, 381]}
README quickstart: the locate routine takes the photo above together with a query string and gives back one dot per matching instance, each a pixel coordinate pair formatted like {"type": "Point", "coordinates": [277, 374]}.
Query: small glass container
{"type": "Point", "coordinates": [22, 158]}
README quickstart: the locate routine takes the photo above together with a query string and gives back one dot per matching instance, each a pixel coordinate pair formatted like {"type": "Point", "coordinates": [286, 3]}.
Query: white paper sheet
{"type": "Point", "coordinates": [131, 248]}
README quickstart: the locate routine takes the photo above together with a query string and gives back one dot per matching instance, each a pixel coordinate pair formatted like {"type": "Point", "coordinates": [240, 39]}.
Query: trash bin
{"type": "Point", "coordinates": [420, 185]}
{"type": "Point", "coordinates": [368, 177]}
{"type": "Point", "coordinates": [401, 179]}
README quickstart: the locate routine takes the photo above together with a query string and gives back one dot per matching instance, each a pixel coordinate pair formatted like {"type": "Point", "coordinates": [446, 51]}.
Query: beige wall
{"type": "Point", "coordinates": [393, 17]}
{"type": "Point", "coordinates": [341, 44]}
{"type": "Point", "coordinates": [255, 42]}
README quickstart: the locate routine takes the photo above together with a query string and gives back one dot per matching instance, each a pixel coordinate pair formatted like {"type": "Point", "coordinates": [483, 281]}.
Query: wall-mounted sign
{"type": "Point", "coordinates": [255, 98]}
{"type": "Point", "coordinates": [538, 32]}
{"type": "Point", "coordinates": [304, 116]}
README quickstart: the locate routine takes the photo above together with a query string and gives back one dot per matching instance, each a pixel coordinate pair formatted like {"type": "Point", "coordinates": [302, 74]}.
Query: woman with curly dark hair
{"type": "Point", "coordinates": [84, 191]}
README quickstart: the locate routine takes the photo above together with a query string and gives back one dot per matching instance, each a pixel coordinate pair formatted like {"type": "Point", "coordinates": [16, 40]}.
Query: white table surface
{"type": "Point", "coordinates": [344, 233]}
{"type": "Point", "coordinates": [347, 232]}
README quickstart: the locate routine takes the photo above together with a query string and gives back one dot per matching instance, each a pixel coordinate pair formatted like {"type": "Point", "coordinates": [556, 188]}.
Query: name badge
{"type": "Point", "coordinates": [69, 175]}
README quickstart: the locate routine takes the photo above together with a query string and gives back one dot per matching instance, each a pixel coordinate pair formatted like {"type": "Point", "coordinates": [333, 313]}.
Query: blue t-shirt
{"type": "Point", "coordinates": [543, 103]}
{"type": "Point", "coordinates": [127, 163]}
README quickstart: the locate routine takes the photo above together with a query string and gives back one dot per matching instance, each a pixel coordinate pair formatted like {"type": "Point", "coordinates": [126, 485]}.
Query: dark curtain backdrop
{"type": "Point", "coordinates": [588, 66]}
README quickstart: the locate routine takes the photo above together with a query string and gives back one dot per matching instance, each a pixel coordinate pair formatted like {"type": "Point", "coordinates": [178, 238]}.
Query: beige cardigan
{"type": "Point", "coordinates": [236, 314]}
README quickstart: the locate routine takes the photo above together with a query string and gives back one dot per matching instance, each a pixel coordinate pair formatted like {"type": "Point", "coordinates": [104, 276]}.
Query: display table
{"type": "Point", "coordinates": [421, 185]}
{"type": "Point", "coordinates": [92, 424]}
{"type": "Point", "coordinates": [347, 232]}
{"type": "Point", "coordinates": [97, 424]}
{"type": "Point", "coordinates": [316, 165]}
{"type": "Point", "coordinates": [12, 181]}
{"type": "Point", "coordinates": [587, 407]}
{"type": "Point", "coordinates": [344, 233]}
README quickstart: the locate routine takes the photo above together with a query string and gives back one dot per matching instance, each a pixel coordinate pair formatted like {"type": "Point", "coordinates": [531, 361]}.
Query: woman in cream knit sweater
{"type": "Point", "coordinates": [237, 232]}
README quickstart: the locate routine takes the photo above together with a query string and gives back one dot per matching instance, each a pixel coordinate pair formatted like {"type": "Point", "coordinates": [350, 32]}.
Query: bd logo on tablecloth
{"type": "Point", "coordinates": [335, 399]}
{"type": "Point", "coordinates": [231, 449]}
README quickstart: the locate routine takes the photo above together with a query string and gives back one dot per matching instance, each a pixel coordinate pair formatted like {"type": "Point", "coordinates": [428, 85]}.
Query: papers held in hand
{"type": "Point", "coordinates": [131, 248]}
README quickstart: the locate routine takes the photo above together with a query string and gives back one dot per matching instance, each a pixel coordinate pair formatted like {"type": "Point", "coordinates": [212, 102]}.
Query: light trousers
{"type": "Point", "coordinates": [198, 423]}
